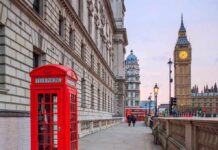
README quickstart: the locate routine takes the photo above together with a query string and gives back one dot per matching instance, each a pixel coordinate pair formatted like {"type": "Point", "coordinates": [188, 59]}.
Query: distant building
{"type": "Point", "coordinates": [205, 101]}
{"type": "Point", "coordinates": [190, 100]}
{"type": "Point", "coordinates": [162, 108]}
{"type": "Point", "coordinates": [147, 104]}
{"type": "Point", "coordinates": [132, 81]}
{"type": "Point", "coordinates": [182, 65]}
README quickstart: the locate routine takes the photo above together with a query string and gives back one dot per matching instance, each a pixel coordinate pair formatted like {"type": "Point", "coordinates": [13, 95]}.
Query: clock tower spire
{"type": "Point", "coordinates": [182, 66]}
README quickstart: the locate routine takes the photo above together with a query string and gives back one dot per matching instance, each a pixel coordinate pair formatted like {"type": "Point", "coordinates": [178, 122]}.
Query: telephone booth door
{"type": "Point", "coordinates": [73, 122]}
{"type": "Point", "coordinates": [49, 130]}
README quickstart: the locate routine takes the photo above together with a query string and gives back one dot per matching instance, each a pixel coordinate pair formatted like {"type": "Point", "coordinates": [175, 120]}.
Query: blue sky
{"type": "Point", "coordinates": [152, 28]}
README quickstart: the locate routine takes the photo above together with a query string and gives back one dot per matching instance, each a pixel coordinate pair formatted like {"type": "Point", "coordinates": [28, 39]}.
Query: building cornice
{"type": "Point", "coordinates": [111, 14]}
{"type": "Point", "coordinates": [124, 34]}
{"type": "Point", "coordinates": [124, 8]}
{"type": "Point", "coordinates": [42, 24]}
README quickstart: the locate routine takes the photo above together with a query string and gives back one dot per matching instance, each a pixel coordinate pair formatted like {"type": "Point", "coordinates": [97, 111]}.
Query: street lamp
{"type": "Point", "coordinates": [156, 88]}
{"type": "Point", "coordinates": [149, 104]}
{"type": "Point", "coordinates": [170, 81]}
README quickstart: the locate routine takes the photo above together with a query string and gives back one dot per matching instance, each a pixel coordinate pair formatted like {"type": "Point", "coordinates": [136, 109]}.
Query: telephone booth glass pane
{"type": "Point", "coordinates": [47, 121]}
{"type": "Point", "coordinates": [73, 122]}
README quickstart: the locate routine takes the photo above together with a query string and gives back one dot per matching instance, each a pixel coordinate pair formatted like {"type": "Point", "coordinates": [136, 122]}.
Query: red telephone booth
{"type": "Point", "coordinates": [54, 116]}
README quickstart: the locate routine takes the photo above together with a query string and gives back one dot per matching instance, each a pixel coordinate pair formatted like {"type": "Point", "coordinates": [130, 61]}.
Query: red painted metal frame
{"type": "Point", "coordinates": [138, 112]}
{"type": "Point", "coordinates": [60, 80]}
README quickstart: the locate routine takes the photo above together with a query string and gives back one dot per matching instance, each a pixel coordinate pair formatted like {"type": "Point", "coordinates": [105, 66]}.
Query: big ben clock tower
{"type": "Point", "coordinates": [182, 65]}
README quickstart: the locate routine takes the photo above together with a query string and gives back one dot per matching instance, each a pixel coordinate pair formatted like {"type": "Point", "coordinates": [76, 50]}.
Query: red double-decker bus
{"type": "Point", "coordinates": [140, 113]}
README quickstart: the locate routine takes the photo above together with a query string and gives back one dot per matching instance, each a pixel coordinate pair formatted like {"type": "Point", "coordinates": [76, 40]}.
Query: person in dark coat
{"type": "Point", "coordinates": [129, 119]}
{"type": "Point", "coordinates": [133, 120]}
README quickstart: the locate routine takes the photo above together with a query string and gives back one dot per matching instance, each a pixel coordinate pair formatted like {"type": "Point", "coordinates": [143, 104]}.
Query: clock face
{"type": "Point", "coordinates": [183, 55]}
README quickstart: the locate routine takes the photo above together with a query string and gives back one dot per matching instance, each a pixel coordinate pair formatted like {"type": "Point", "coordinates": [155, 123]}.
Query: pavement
{"type": "Point", "coordinates": [120, 137]}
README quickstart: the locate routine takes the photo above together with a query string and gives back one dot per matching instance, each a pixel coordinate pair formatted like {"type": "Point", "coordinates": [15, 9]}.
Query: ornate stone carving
{"type": "Point", "coordinates": [90, 7]}
{"type": "Point", "coordinates": [96, 17]}
{"type": "Point", "coordinates": [103, 20]}
{"type": "Point", "coordinates": [102, 15]}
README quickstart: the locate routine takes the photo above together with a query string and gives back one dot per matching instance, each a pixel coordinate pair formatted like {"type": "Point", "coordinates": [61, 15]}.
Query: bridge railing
{"type": "Point", "coordinates": [187, 133]}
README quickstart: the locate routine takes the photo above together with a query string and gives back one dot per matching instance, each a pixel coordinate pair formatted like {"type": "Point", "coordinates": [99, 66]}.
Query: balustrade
{"type": "Point", "coordinates": [188, 133]}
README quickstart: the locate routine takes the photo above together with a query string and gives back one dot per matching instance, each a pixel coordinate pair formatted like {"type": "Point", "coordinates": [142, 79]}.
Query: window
{"type": "Point", "coordinates": [103, 74]}
{"type": "Point", "coordinates": [131, 104]}
{"type": "Point", "coordinates": [136, 95]}
{"type": "Point", "coordinates": [83, 93]}
{"type": "Point", "coordinates": [92, 61]}
{"type": "Point", "coordinates": [99, 100]}
{"type": "Point", "coordinates": [83, 51]}
{"type": "Point", "coordinates": [90, 24]}
{"type": "Point", "coordinates": [103, 100]}
{"type": "Point", "coordinates": [108, 80]}
{"type": "Point", "coordinates": [129, 94]}
{"type": "Point", "coordinates": [72, 38]}
{"type": "Point", "coordinates": [111, 105]}
{"type": "Point", "coordinates": [38, 57]}
{"type": "Point", "coordinates": [61, 25]}
{"type": "Point", "coordinates": [72, 64]}
{"type": "Point", "coordinates": [38, 6]}
{"type": "Point", "coordinates": [108, 99]}
{"type": "Point", "coordinates": [99, 69]}
{"type": "Point", "coordinates": [80, 9]}
{"type": "Point", "coordinates": [36, 60]}
{"type": "Point", "coordinates": [92, 97]}
{"type": "Point", "coordinates": [134, 87]}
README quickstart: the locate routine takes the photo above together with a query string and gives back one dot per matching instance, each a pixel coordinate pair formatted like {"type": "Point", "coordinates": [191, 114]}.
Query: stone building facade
{"type": "Point", "coordinates": [132, 81]}
{"type": "Point", "coordinates": [206, 101]}
{"type": "Point", "coordinates": [86, 35]}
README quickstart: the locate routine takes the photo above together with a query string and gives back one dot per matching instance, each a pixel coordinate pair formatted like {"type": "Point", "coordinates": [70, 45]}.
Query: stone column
{"type": "Point", "coordinates": [188, 136]}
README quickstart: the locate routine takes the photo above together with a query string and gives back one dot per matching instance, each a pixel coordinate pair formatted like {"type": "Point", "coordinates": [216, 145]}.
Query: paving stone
{"type": "Point", "coordinates": [120, 137]}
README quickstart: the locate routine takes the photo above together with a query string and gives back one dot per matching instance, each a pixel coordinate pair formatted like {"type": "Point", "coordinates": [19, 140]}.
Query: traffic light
{"type": "Point", "coordinates": [174, 101]}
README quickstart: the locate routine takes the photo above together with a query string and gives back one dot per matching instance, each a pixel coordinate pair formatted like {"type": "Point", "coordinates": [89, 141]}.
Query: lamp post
{"type": "Point", "coordinates": [149, 104]}
{"type": "Point", "coordinates": [156, 88]}
{"type": "Point", "coordinates": [170, 81]}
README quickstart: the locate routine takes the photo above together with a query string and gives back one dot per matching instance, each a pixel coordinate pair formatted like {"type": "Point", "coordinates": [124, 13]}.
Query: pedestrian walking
{"type": "Point", "coordinates": [129, 119]}
{"type": "Point", "coordinates": [133, 120]}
